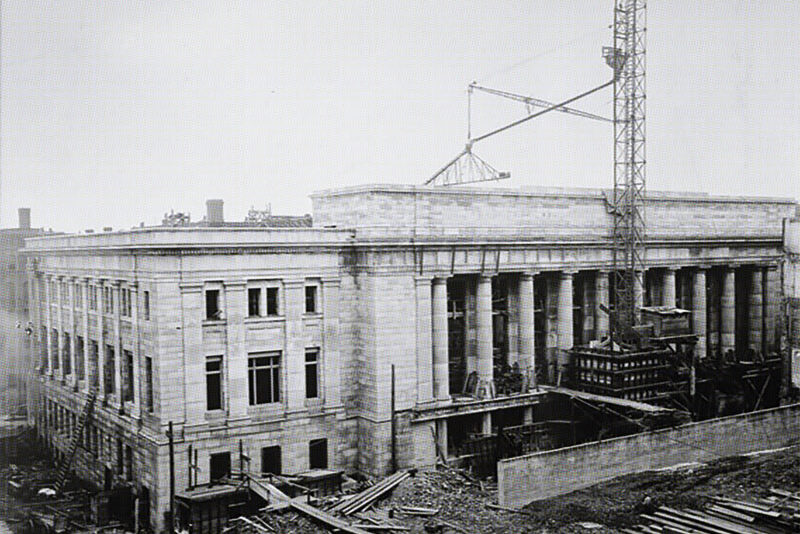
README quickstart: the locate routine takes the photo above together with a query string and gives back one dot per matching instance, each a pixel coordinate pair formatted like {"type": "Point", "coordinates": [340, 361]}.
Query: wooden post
{"type": "Point", "coordinates": [170, 435]}
{"type": "Point", "coordinates": [191, 467]}
{"type": "Point", "coordinates": [394, 426]}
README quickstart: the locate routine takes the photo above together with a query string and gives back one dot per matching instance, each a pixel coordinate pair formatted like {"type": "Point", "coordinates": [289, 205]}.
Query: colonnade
{"type": "Point", "coordinates": [761, 311]}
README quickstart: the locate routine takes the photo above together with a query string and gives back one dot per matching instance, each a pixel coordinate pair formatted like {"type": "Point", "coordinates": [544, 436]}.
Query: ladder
{"type": "Point", "coordinates": [86, 413]}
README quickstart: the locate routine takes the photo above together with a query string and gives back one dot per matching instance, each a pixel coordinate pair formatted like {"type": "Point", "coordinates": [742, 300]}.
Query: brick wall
{"type": "Point", "coordinates": [542, 475]}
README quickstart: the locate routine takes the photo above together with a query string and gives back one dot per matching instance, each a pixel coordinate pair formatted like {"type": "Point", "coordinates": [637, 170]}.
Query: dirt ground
{"type": "Point", "coordinates": [462, 501]}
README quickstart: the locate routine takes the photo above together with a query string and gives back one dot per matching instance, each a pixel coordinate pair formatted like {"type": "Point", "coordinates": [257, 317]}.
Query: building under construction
{"type": "Point", "coordinates": [400, 323]}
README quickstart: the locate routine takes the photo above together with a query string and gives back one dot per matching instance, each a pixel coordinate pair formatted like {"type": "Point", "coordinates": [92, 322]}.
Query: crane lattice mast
{"type": "Point", "coordinates": [627, 58]}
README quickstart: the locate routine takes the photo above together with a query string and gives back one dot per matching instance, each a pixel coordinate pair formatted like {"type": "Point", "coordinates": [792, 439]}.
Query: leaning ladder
{"type": "Point", "coordinates": [86, 413]}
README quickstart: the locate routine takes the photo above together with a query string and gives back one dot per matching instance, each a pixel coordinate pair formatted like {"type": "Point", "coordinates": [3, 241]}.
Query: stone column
{"type": "Point", "coordinates": [756, 309]}
{"type": "Point", "coordinates": [771, 305]}
{"type": "Point", "coordinates": [87, 370]}
{"type": "Point", "coordinates": [601, 318]}
{"type": "Point", "coordinates": [699, 311]}
{"type": "Point", "coordinates": [424, 350]}
{"type": "Point", "coordinates": [727, 336]}
{"type": "Point", "coordinates": [441, 369]}
{"type": "Point", "coordinates": [485, 343]}
{"type": "Point", "coordinates": [441, 437]}
{"type": "Point", "coordinates": [526, 331]}
{"type": "Point", "coordinates": [638, 294]}
{"type": "Point", "coordinates": [565, 326]}
{"type": "Point", "coordinates": [668, 290]}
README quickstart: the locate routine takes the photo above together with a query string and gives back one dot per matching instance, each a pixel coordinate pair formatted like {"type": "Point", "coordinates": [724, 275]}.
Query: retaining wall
{"type": "Point", "coordinates": [528, 478]}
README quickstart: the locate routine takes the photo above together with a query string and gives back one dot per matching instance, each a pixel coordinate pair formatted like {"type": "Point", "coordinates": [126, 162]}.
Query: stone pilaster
{"type": "Point", "coordinates": [668, 289]}
{"type": "Point", "coordinates": [117, 320]}
{"type": "Point", "coordinates": [601, 318]}
{"type": "Point", "coordinates": [135, 349]}
{"type": "Point", "coordinates": [331, 360]}
{"type": "Point", "coordinates": [424, 350]}
{"type": "Point", "coordinates": [441, 370]}
{"type": "Point", "coordinates": [87, 369]}
{"type": "Point", "coordinates": [638, 294]}
{"type": "Point", "coordinates": [526, 330]}
{"type": "Point", "coordinates": [294, 352]}
{"type": "Point", "coordinates": [48, 308]}
{"type": "Point", "coordinates": [485, 343]}
{"type": "Point", "coordinates": [699, 311]}
{"type": "Point", "coordinates": [234, 365]}
{"type": "Point", "coordinates": [101, 339]}
{"type": "Point", "coordinates": [728, 311]}
{"type": "Point", "coordinates": [73, 342]}
{"type": "Point", "coordinates": [565, 326]}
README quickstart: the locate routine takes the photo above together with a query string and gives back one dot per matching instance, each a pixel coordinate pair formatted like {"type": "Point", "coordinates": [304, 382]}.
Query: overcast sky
{"type": "Point", "coordinates": [116, 112]}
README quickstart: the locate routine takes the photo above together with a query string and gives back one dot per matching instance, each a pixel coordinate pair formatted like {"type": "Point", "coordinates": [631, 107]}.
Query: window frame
{"type": "Point", "coordinates": [220, 400]}
{"type": "Point", "coordinates": [265, 453]}
{"type": "Point", "coordinates": [316, 353]}
{"type": "Point", "coordinates": [209, 289]}
{"type": "Point", "coordinates": [269, 369]}
{"type": "Point", "coordinates": [319, 444]}
{"type": "Point", "coordinates": [313, 296]}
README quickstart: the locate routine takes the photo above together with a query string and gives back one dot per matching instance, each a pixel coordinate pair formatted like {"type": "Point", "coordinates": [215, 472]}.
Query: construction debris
{"type": "Point", "coordinates": [779, 513]}
{"type": "Point", "coordinates": [366, 498]}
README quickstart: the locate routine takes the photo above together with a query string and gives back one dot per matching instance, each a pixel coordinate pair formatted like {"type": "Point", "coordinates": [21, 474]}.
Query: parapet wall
{"type": "Point", "coordinates": [542, 475]}
{"type": "Point", "coordinates": [400, 211]}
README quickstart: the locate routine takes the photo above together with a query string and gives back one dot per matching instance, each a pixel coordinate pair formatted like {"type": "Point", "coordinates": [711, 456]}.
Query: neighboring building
{"type": "Point", "coordinates": [14, 330]}
{"type": "Point", "coordinates": [791, 291]}
{"type": "Point", "coordinates": [286, 339]}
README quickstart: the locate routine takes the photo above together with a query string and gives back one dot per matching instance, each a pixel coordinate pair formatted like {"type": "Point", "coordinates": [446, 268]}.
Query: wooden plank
{"type": "Point", "coordinates": [326, 518]}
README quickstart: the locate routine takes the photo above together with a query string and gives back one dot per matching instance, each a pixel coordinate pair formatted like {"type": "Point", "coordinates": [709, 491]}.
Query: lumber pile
{"type": "Point", "coordinates": [362, 501]}
{"type": "Point", "coordinates": [777, 514]}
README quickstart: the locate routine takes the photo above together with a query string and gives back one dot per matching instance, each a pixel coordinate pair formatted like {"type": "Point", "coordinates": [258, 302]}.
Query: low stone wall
{"type": "Point", "coordinates": [524, 479]}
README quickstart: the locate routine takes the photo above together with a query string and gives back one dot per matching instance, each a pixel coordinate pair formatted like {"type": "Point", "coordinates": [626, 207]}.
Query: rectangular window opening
{"type": "Point", "coordinates": [127, 372]}
{"type": "Point", "coordinates": [311, 299]}
{"type": "Point", "coordinates": [214, 383]}
{"type": "Point", "coordinates": [148, 381]}
{"type": "Point", "coordinates": [146, 305]}
{"type": "Point", "coordinates": [271, 460]}
{"type": "Point", "coordinates": [272, 301]}
{"type": "Point", "coordinates": [318, 454]}
{"type": "Point", "coordinates": [263, 376]}
{"type": "Point", "coordinates": [213, 311]}
{"type": "Point", "coordinates": [219, 466]}
{"type": "Point", "coordinates": [254, 302]}
{"type": "Point", "coordinates": [312, 373]}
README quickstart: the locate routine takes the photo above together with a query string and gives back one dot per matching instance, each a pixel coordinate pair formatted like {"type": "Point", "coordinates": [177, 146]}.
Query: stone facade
{"type": "Point", "coordinates": [450, 288]}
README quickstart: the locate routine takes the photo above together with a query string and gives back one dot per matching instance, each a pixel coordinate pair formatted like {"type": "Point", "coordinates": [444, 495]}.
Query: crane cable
{"type": "Point", "coordinates": [470, 142]}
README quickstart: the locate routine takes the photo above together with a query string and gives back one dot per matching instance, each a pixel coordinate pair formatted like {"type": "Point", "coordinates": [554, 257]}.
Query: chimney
{"type": "Point", "coordinates": [214, 213]}
{"type": "Point", "coordinates": [24, 218]}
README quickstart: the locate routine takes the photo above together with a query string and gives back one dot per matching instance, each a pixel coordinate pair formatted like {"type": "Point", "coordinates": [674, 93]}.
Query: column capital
{"type": "Point", "coordinates": [702, 267]}
{"type": "Point", "coordinates": [331, 281]}
{"type": "Point", "coordinates": [771, 266]}
{"type": "Point", "coordinates": [440, 280]}
{"type": "Point", "coordinates": [235, 285]}
{"type": "Point", "coordinates": [422, 279]}
{"type": "Point", "coordinates": [528, 274]}
{"type": "Point", "coordinates": [567, 273]}
{"type": "Point", "coordinates": [671, 268]}
{"type": "Point", "coordinates": [485, 276]}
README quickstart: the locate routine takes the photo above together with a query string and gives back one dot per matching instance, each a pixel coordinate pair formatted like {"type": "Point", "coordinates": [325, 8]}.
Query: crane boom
{"type": "Point", "coordinates": [537, 102]}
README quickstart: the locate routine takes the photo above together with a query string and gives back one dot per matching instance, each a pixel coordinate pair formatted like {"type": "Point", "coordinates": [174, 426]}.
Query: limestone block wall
{"type": "Point", "coordinates": [397, 210]}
